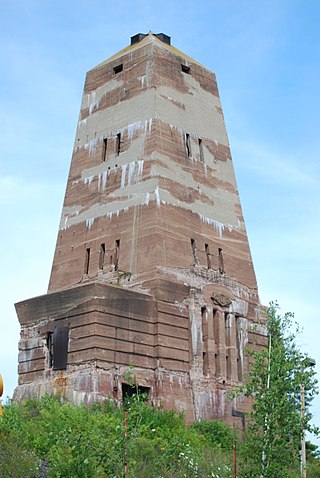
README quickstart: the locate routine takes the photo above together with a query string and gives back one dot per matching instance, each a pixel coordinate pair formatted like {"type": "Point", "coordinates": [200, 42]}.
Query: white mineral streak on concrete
{"type": "Point", "coordinates": [239, 306]}
{"type": "Point", "coordinates": [88, 180]}
{"type": "Point", "coordinates": [138, 111]}
{"type": "Point", "coordinates": [147, 199]}
{"type": "Point", "coordinates": [137, 194]}
{"type": "Point", "coordinates": [213, 215]}
{"type": "Point", "coordinates": [69, 211]}
{"type": "Point", "coordinates": [135, 170]}
{"type": "Point", "coordinates": [91, 145]}
{"type": "Point", "coordinates": [123, 175]}
{"type": "Point", "coordinates": [89, 222]}
{"type": "Point", "coordinates": [242, 331]}
{"type": "Point", "coordinates": [200, 110]}
{"type": "Point", "coordinates": [140, 167]}
{"type": "Point", "coordinates": [157, 193]}
{"type": "Point", "coordinates": [93, 98]}
{"type": "Point", "coordinates": [221, 213]}
{"type": "Point", "coordinates": [131, 171]}
{"type": "Point", "coordinates": [142, 79]}
{"type": "Point", "coordinates": [105, 175]}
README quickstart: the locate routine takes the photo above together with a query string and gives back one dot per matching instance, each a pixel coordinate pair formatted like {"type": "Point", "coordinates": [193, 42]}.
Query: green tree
{"type": "Point", "coordinates": [277, 373]}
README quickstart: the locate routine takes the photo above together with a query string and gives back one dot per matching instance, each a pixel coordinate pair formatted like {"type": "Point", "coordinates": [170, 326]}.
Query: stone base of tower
{"type": "Point", "coordinates": [90, 342]}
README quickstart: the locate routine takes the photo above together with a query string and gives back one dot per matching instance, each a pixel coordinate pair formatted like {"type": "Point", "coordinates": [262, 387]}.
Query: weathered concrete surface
{"type": "Point", "coordinates": [152, 207]}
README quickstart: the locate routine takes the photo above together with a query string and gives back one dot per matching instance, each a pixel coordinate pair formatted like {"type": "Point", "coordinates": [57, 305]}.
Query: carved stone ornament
{"type": "Point", "coordinates": [221, 300]}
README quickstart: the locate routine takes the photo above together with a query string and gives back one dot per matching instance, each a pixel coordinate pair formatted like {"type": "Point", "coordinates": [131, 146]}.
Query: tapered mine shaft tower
{"type": "Point", "coordinates": [152, 269]}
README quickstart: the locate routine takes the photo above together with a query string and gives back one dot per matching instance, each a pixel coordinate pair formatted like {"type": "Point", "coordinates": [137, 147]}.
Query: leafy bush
{"type": "Point", "coordinates": [59, 439]}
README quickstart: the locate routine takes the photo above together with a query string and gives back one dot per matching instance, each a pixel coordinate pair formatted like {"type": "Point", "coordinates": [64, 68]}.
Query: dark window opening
{"type": "Point", "coordinates": [205, 357]}
{"type": "Point", "coordinates": [129, 391]}
{"type": "Point", "coordinates": [118, 144]}
{"type": "Point", "coordinates": [216, 336]}
{"type": "Point", "coordinates": [227, 321]}
{"type": "Point", "coordinates": [201, 150]}
{"type": "Point", "coordinates": [104, 149]}
{"type": "Point", "coordinates": [205, 363]}
{"type": "Point", "coordinates": [194, 252]}
{"type": "Point", "coordinates": [217, 364]}
{"type": "Point", "coordinates": [87, 261]}
{"type": "Point", "coordinates": [188, 144]}
{"type": "Point", "coordinates": [117, 254]}
{"type": "Point", "coordinates": [185, 69]}
{"type": "Point", "coordinates": [60, 348]}
{"type": "Point", "coordinates": [238, 344]}
{"type": "Point", "coordinates": [208, 256]}
{"type": "Point", "coordinates": [221, 261]}
{"type": "Point", "coordinates": [102, 256]}
{"type": "Point", "coordinates": [118, 68]}
{"type": "Point", "coordinates": [50, 348]}
{"type": "Point", "coordinates": [228, 367]}
{"type": "Point", "coordinates": [227, 329]}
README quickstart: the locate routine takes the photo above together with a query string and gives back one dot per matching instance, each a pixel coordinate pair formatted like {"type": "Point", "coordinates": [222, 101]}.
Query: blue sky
{"type": "Point", "coordinates": [266, 57]}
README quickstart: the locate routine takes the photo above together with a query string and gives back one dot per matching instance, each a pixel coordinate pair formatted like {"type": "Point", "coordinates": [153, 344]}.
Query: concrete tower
{"type": "Point", "coordinates": [152, 268]}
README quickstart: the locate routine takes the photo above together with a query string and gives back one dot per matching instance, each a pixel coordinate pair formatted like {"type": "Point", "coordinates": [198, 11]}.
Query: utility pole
{"type": "Point", "coordinates": [309, 362]}
{"type": "Point", "coordinates": [303, 438]}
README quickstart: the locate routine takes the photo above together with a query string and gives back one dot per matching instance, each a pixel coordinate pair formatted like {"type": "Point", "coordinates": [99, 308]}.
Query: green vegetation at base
{"type": "Point", "coordinates": [55, 439]}
{"type": "Point", "coordinates": [50, 438]}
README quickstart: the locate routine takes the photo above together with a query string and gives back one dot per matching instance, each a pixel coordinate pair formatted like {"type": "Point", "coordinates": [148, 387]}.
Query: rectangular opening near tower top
{"type": "Point", "coordinates": [118, 68]}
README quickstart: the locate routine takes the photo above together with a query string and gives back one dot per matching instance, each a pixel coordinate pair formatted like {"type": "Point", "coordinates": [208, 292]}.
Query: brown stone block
{"type": "Point", "coordinates": [145, 324]}
{"type": "Point", "coordinates": [83, 356]}
{"type": "Point", "coordinates": [91, 342]}
{"type": "Point", "coordinates": [26, 344]}
{"type": "Point", "coordinates": [134, 348]}
{"type": "Point", "coordinates": [134, 337]}
{"type": "Point", "coordinates": [85, 330]}
{"type": "Point", "coordinates": [173, 342]}
{"type": "Point", "coordinates": [173, 330]}
{"type": "Point", "coordinates": [168, 291]}
{"type": "Point", "coordinates": [174, 365]}
{"type": "Point", "coordinates": [31, 366]}
{"type": "Point", "coordinates": [166, 352]}
{"type": "Point", "coordinates": [134, 360]}
{"type": "Point", "coordinates": [173, 309]}
{"type": "Point", "coordinates": [29, 377]}
{"type": "Point", "coordinates": [181, 323]}
{"type": "Point", "coordinates": [31, 354]}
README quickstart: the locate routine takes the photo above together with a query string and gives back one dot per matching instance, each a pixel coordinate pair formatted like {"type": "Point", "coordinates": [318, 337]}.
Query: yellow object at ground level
{"type": "Point", "coordinates": [1, 392]}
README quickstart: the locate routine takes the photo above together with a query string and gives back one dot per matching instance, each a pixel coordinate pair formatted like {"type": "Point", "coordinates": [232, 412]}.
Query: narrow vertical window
{"type": "Point", "coordinates": [87, 261]}
{"type": "Point", "coordinates": [239, 351]}
{"type": "Point", "coordinates": [104, 149]}
{"type": "Point", "coordinates": [117, 254]}
{"type": "Point", "coordinates": [50, 348]}
{"type": "Point", "coordinates": [194, 252]}
{"type": "Point", "coordinates": [188, 144]}
{"type": "Point", "coordinates": [102, 256]}
{"type": "Point", "coordinates": [118, 144]}
{"type": "Point", "coordinates": [201, 150]}
{"type": "Point", "coordinates": [228, 343]}
{"type": "Point", "coordinates": [60, 347]}
{"type": "Point", "coordinates": [221, 262]}
{"type": "Point", "coordinates": [205, 340]}
{"type": "Point", "coordinates": [216, 340]}
{"type": "Point", "coordinates": [208, 256]}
